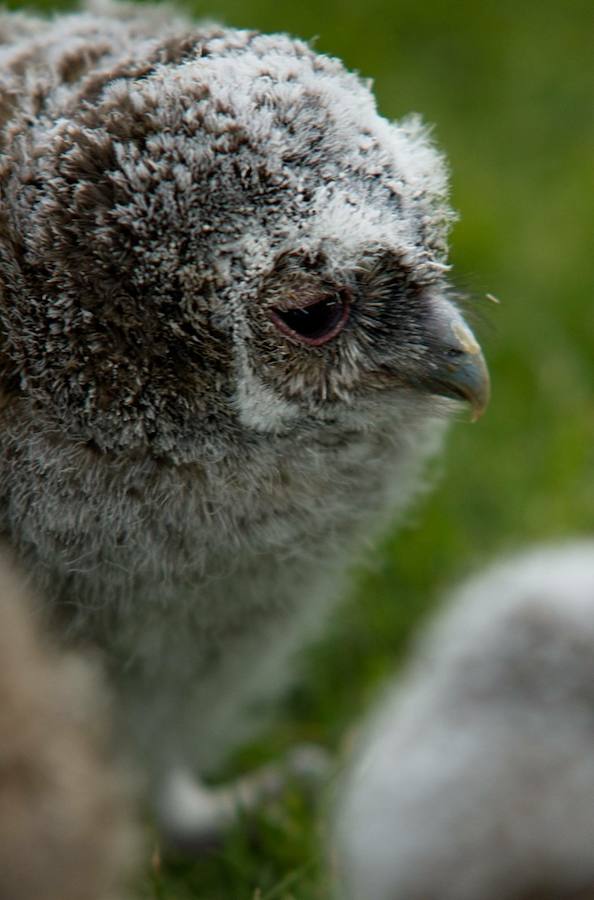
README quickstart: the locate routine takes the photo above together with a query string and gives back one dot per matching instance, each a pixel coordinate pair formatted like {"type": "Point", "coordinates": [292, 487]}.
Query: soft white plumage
{"type": "Point", "coordinates": [475, 780]}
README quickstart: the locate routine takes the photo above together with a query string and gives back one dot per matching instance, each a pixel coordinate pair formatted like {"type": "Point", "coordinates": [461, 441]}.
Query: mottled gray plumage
{"type": "Point", "coordinates": [475, 780]}
{"type": "Point", "coordinates": [184, 475]}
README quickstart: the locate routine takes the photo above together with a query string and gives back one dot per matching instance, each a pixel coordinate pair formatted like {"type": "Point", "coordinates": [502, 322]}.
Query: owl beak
{"type": "Point", "coordinates": [460, 369]}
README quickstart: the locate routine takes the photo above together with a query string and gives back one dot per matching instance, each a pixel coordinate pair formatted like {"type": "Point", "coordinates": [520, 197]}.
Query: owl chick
{"type": "Point", "coordinates": [228, 345]}
{"type": "Point", "coordinates": [64, 828]}
{"type": "Point", "coordinates": [476, 779]}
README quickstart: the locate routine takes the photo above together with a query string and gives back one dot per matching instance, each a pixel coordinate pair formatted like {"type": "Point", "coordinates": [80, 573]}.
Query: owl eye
{"type": "Point", "coordinates": [316, 322]}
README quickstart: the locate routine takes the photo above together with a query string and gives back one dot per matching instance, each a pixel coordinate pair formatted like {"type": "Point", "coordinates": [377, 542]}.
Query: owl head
{"type": "Point", "coordinates": [213, 236]}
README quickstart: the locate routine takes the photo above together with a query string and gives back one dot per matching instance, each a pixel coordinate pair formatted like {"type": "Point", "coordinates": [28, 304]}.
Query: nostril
{"type": "Point", "coordinates": [315, 323]}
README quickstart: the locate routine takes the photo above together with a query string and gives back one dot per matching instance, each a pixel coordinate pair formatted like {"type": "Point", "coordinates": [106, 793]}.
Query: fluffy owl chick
{"type": "Point", "coordinates": [228, 345]}
{"type": "Point", "coordinates": [476, 780]}
{"type": "Point", "coordinates": [64, 831]}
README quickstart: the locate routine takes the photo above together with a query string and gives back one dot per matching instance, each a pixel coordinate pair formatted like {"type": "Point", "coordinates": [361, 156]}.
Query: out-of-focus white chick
{"type": "Point", "coordinates": [475, 781]}
{"type": "Point", "coordinates": [64, 828]}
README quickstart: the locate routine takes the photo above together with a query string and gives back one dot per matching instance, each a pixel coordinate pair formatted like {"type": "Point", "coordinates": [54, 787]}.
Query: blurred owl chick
{"type": "Point", "coordinates": [64, 827]}
{"type": "Point", "coordinates": [228, 345]}
{"type": "Point", "coordinates": [476, 779]}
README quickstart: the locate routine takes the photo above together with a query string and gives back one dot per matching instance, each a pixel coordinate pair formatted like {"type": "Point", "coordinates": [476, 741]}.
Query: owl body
{"type": "Point", "coordinates": [183, 576]}
{"type": "Point", "coordinates": [228, 347]}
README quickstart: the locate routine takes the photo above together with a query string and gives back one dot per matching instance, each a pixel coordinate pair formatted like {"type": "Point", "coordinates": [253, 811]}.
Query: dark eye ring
{"type": "Point", "coordinates": [316, 322]}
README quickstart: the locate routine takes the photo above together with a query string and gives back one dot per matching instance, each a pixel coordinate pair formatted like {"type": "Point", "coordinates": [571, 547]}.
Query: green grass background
{"type": "Point", "coordinates": [509, 88]}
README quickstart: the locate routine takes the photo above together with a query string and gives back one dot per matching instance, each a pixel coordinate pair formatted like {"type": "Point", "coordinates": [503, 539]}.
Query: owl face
{"type": "Point", "coordinates": [218, 238]}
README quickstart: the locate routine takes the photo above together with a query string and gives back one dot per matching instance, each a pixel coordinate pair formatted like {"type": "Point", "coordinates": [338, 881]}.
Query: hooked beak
{"type": "Point", "coordinates": [460, 371]}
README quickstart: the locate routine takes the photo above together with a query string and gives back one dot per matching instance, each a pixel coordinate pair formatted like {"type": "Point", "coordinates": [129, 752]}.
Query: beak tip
{"type": "Point", "coordinates": [465, 376]}
{"type": "Point", "coordinates": [479, 399]}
